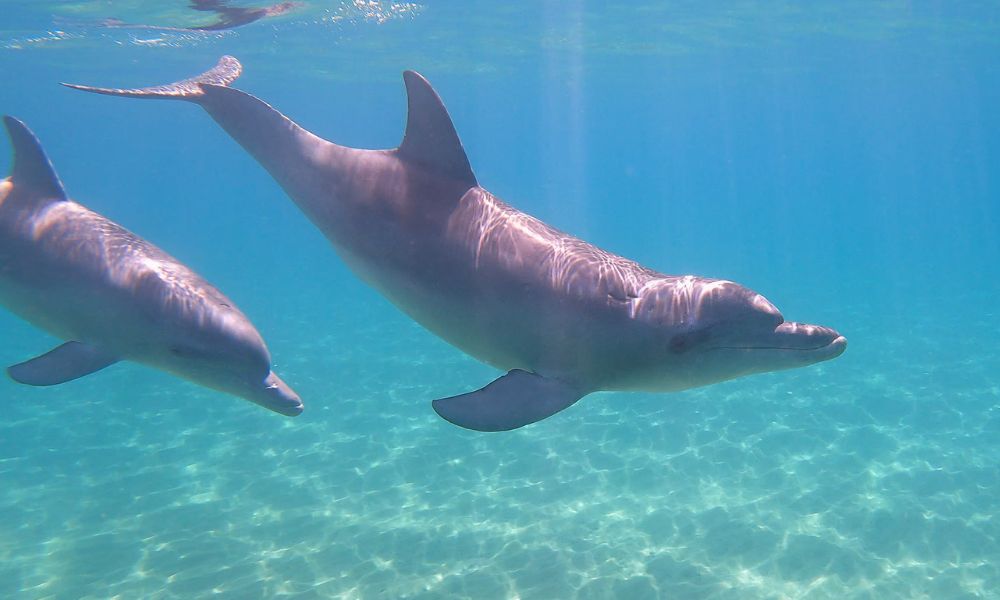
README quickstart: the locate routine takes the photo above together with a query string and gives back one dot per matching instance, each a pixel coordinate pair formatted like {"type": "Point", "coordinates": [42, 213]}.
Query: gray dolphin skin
{"type": "Point", "coordinates": [563, 317]}
{"type": "Point", "coordinates": [114, 296]}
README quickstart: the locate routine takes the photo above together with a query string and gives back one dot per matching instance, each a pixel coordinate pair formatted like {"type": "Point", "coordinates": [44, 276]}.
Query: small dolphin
{"type": "Point", "coordinates": [563, 317]}
{"type": "Point", "coordinates": [115, 296]}
{"type": "Point", "coordinates": [229, 17]}
{"type": "Point", "coordinates": [237, 16]}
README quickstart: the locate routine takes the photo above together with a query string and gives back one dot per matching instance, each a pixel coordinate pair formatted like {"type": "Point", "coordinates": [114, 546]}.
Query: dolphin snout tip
{"type": "Point", "coordinates": [291, 410]}
{"type": "Point", "coordinates": [834, 347]}
{"type": "Point", "coordinates": [288, 406]}
{"type": "Point", "coordinates": [280, 398]}
{"type": "Point", "coordinates": [817, 341]}
{"type": "Point", "coordinates": [838, 345]}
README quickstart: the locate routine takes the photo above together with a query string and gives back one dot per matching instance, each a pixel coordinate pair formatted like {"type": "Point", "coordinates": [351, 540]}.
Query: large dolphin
{"type": "Point", "coordinates": [115, 296]}
{"type": "Point", "coordinates": [563, 317]}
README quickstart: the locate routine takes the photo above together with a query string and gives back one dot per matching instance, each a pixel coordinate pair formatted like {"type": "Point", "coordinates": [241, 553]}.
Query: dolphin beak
{"type": "Point", "coordinates": [814, 342]}
{"type": "Point", "coordinates": [277, 396]}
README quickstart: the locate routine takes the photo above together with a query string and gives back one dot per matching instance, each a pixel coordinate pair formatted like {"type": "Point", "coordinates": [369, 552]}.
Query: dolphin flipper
{"type": "Point", "coordinates": [69, 361]}
{"type": "Point", "coordinates": [517, 399]}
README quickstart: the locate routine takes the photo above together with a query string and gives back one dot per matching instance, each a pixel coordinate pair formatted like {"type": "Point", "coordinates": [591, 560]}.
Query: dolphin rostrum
{"type": "Point", "coordinates": [115, 296]}
{"type": "Point", "coordinates": [563, 317]}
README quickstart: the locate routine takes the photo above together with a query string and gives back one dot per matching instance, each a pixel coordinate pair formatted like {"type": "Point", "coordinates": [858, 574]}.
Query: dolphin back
{"type": "Point", "coordinates": [282, 146]}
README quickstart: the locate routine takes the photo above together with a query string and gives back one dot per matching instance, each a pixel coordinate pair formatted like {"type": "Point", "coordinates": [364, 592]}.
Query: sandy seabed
{"type": "Point", "coordinates": [872, 476]}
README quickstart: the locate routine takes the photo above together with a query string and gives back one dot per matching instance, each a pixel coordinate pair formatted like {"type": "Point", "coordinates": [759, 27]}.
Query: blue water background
{"type": "Point", "coordinates": [841, 158]}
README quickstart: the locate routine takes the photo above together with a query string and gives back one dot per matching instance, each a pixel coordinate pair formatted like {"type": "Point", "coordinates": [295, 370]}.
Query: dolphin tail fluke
{"type": "Point", "coordinates": [223, 73]}
{"type": "Point", "coordinates": [67, 362]}
{"type": "Point", "coordinates": [517, 399]}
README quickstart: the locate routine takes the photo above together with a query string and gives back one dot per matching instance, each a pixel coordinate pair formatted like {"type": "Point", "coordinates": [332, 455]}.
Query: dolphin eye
{"type": "Point", "coordinates": [682, 342]}
{"type": "Point", "coordinates": [188, 352]}
{"type": "Point", "coordinates": [679, 343]}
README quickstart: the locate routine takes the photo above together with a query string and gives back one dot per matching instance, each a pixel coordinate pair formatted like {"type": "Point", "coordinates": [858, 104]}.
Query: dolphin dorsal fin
{"type": "Point", "coordinates": [431, 139]}
{"type": "Point", "coordinates": [32, 169]}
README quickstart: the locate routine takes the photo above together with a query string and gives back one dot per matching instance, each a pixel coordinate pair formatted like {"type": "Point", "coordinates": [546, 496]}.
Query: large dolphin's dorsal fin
{"type": "Point", "coordinates": [32, 169]}
{"type": "Point", "coordinates": [430, 138]}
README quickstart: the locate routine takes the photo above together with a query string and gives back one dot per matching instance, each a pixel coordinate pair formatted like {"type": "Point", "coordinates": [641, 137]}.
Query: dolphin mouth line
{"type": "Point", "coordinates": [839, 340]}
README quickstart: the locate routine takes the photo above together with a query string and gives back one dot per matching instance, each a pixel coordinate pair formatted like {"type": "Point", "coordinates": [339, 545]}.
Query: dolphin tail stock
{"type": "Point", "coordinates": [514, 400]}
{"type": "Point", "coordinates": [226, 71]}
{"type": "Point", "coordinates": [277, 142]}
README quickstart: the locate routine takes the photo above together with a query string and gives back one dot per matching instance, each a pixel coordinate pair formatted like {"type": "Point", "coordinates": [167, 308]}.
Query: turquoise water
{"type": "Point", "coordinates": [840, 158]}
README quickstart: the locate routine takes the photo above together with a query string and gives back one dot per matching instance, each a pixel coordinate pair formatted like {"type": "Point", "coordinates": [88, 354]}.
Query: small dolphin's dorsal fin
{"type": "Point", "coordinates": [32, 169]}
{"type": "Point", "coordinates": [430, 138]}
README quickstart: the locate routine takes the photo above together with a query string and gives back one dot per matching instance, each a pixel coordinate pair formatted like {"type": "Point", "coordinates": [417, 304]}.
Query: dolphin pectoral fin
{"type": "Point", "coordinates": [517, 399]}
{"type": "Point", "coordinates": [64, 363]}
